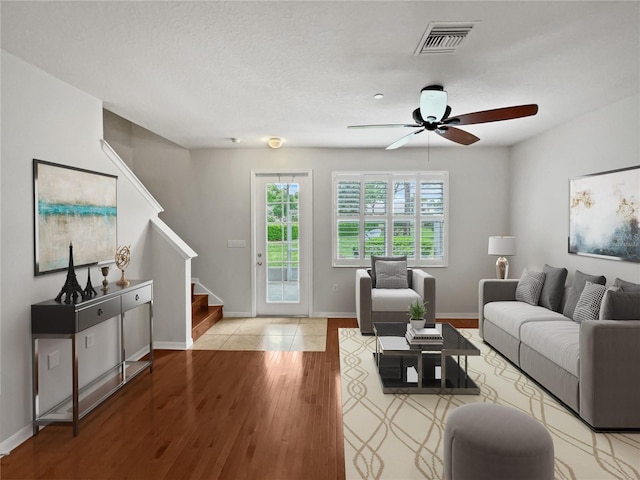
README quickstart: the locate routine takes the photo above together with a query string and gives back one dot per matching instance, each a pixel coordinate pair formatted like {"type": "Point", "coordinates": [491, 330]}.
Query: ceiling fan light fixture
{"type": "Point", "coordinates": [274, 142]}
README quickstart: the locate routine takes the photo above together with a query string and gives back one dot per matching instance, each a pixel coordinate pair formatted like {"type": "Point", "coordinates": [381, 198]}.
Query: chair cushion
{"type": "Point", "coordinates": [393, 299]}
{"type": "Point", "coordinates": [375, 259]}
{"type": "Point", "coordinates": [391, 274]}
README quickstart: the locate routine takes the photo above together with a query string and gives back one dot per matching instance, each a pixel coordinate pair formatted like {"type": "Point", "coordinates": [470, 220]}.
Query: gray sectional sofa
{"type": "Point", "coordinates": [592, 366]}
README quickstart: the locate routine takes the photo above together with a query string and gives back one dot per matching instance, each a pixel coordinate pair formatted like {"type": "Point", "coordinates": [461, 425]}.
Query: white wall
{"type": "Point", "coordinates": [541, 167]}
{"type": "Point", "coordinates": [207, 202]}
{"type": "Point", "coordinates": [47, 119]}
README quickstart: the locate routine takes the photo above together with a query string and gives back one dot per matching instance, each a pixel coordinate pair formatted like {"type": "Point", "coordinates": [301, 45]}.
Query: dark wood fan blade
{"type": "Point", "coordinates": [401, 141]}
{"type": "Point", "coordinates": [387, 125]}
{"type": "Point", "coordinates": [496, 115]}
{"type": "Point", "coordinates": [457, 135]}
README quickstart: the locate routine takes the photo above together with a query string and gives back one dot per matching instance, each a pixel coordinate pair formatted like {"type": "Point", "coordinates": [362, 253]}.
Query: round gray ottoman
{"type": "Point", "coordinates": [493, 442]}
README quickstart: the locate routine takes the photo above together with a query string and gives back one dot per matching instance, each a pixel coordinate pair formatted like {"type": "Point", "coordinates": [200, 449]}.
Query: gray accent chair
{"type": "Point", "coordinates": [390, 305]}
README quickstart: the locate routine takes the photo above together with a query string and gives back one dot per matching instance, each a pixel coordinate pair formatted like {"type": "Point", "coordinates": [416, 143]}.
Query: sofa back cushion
{"type": "Point", "coordinates": [577, 285]}
{"type": "Point", "coordinates": [621, 305]}
{"type": "Point", "coordinates": [626, 286]}
{"type": "Point", "coordinates": [553, 288]}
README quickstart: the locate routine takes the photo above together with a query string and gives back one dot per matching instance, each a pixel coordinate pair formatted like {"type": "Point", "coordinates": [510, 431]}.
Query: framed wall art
{"type": "Point", "coordinates": [604, 214]}
{"type": "Point", "coordinates": [77, 206]}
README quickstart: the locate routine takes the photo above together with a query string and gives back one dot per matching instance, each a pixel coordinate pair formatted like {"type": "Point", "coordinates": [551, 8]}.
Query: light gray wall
{"type": "Point", "coordinates": [207, 202]}
{"type": "Point", "coordinates": [47, 119]}
{"type": "Point", "coordinates": [541, 167]}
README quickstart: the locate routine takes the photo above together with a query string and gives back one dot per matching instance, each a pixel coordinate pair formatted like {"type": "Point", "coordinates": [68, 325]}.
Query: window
{"type": "Point", "coordinates": [402, 213]}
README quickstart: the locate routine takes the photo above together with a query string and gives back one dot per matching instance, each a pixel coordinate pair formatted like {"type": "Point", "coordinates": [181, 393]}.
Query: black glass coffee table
{"type": "Point", "coordinates": [433, 369]}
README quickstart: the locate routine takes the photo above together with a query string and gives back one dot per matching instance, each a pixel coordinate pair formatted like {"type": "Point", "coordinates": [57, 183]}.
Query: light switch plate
{"type": "Point", "coordinates": [236, 244]}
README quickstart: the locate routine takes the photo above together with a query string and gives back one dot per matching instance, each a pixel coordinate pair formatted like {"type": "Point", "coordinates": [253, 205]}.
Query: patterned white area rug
{"type": "Point", "coordinates": [399, 437]}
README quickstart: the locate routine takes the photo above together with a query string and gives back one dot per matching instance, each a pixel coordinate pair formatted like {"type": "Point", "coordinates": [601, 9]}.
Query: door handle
{"type": "Point", "coordinates": [259, 263]}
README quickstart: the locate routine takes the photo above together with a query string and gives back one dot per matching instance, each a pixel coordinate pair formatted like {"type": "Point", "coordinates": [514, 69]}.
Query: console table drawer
{"type": "Point", "coordinates": [137, 297]}
{"type": "Point", "coordinates": [98, 313]}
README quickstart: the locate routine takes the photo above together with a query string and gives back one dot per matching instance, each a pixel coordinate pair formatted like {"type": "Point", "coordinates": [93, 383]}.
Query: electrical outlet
{"type": "Point", "coordinates": [336, 287]}
{"type": "Point", "coordinates": [53, 359]}
{"type": "Point", "coordinates": [89, 341]}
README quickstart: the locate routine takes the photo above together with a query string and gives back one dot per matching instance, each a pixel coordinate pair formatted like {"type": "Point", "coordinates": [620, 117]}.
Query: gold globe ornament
{"type": "Point", "coordinates": [123, 257]}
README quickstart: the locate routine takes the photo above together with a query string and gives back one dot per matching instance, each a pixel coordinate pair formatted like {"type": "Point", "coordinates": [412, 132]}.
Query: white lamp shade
{"type": "Point", "coordinates": [502, 246]}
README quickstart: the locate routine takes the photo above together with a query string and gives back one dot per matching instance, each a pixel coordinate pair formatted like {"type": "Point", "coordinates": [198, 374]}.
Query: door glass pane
{"type": "Point", "coordinates": [283, 263]}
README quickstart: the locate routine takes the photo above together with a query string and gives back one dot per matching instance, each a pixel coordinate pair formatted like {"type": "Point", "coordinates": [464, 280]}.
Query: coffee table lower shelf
{"type": "Point", "coordinates": [400, 375]}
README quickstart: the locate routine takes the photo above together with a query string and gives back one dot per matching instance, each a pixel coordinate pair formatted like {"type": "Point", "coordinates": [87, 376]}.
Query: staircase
{"type": "Point", "coordinates": [203, 315]}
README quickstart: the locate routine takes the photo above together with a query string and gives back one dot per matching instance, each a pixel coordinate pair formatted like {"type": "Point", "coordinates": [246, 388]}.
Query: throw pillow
{"type": "Point", "coordinates": [626, 286]}
{"type": "Point", "coordinates": [588, 306]}
{"type": "Point", "coordinates": [622, 305]}
{"type": "Point", "coordinates": [391, 274]}
{"type": "Point", "coordinates": [375, 259]}
{"type": "Point", "coordinates": [577, 285]}
{"type": "Point", "coordinates": [529, 287]}
{"type": "Point", "coordinates": [553, 288]}
{"type": "Point", "coordinates": [605, 300]}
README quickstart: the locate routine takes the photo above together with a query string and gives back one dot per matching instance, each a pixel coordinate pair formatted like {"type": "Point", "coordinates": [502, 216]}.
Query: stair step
{"type": "Point", "coordinates": [199, 303]}
{"type": "Point", "coordinates": [204, 320]}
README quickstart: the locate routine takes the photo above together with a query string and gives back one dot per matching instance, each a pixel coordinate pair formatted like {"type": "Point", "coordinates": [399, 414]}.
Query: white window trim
{"type": "Point", "coordinates": [391, 176]}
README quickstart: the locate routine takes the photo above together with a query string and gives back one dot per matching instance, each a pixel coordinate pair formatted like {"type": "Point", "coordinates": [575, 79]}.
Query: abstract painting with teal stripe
{"type": "Point", "coordinates": [73, 206]}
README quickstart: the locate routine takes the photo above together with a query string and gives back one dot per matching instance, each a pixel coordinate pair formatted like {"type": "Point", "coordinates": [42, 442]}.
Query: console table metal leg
{"type": "Point", "coordinates": [443, 371]}
{"type": "Point", "coordinates": [34, 380]}
{"type": "Point", "coordinates": [75, 394]}
{"type": "Point", "coordinates": [151, 336]}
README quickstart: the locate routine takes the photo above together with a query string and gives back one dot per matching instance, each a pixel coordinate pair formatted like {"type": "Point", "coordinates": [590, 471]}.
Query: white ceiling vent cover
{"type": "Point", "coordinates": [443, 37]}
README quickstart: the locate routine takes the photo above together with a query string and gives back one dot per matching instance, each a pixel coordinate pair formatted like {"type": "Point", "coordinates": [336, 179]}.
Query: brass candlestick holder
{"type": "Point", "coordinates": [105, 283]}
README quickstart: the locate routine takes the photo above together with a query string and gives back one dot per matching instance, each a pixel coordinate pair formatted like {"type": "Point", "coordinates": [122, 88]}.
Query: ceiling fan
{"type": "Point", "coordinates": [433, 115]}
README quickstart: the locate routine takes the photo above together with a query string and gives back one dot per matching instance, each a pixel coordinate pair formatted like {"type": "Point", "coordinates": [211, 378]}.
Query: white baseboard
{"type": "Point", "coordinates": [171, 345]}
{"type": "Point", "coordinates": [16, 439]}
{"type": "Point", "coordinates": [334, 314]}
{"type": "Point", "coordinates": [237, 315]}
{"type": "Point", "coordinates": [470, 316]}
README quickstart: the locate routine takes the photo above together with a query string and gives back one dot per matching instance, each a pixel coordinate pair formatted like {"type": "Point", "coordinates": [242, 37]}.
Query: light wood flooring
{"type": "Point", "coordinates": [206, 415]}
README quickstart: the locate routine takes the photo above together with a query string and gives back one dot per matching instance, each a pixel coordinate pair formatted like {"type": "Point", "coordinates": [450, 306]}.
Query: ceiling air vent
{"type": "Point", "coordinates": [443, 37]}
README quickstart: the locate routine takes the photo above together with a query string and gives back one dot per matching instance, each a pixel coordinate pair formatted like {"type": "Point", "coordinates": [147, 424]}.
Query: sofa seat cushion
{"type": "Point", "coordinates": [393, 299]}
{"type": "Point", "coordinates": [510, 316]}
{"type": "Point", "coordinates": [557, 341]}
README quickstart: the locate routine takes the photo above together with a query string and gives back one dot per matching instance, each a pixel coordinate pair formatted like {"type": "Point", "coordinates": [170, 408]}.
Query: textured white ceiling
{"type": "Point", "coordinates": [199, 73]}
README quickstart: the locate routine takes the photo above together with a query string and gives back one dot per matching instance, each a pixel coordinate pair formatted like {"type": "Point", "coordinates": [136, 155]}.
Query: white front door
{"type": "Point", "coordinates": [282, 238]}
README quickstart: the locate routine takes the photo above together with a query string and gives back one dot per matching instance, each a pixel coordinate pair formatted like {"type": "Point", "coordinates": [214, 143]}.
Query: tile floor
{"type": "Point", "coordinates": [266, 334]}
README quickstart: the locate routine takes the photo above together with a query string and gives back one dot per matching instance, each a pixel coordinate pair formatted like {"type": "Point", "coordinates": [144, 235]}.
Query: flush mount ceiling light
{"type": "Point", "coordinates": [378, 96]}
{"type": "Point", "coordinates": [274, 142]}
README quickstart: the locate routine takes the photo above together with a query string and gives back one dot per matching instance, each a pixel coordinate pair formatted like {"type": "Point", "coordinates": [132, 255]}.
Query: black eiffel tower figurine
{"type": "Point", "coordinates": [71, 288]}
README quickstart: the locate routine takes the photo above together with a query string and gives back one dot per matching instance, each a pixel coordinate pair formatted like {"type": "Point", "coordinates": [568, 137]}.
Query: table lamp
{"type": "Point", "coordinates": [502, 246]}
